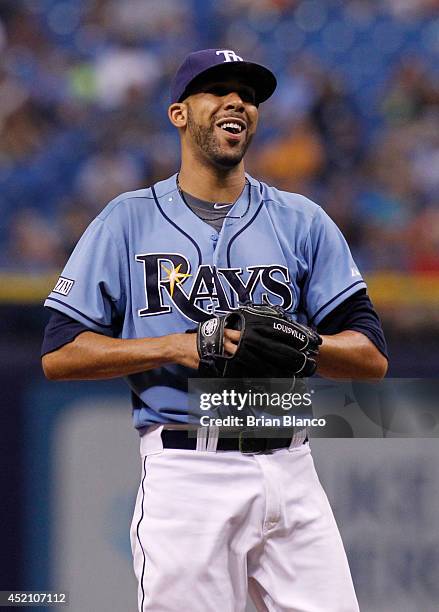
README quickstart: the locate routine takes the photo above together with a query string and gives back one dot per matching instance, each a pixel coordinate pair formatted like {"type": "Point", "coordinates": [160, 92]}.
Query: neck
{"type": "Point", "coordinates": [210, 183]}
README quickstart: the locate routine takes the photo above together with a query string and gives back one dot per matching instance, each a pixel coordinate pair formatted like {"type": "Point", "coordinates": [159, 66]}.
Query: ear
{"type": "Point", "coordinates": [177, 114]}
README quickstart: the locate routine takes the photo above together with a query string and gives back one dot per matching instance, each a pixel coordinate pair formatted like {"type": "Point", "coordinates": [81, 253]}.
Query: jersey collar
{"type": "Point", "coordinates": [170, 199]}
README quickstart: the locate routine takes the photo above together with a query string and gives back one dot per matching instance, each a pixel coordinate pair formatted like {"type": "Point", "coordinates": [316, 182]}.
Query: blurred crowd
{"type": "Point", "coordinates": [354, 123]}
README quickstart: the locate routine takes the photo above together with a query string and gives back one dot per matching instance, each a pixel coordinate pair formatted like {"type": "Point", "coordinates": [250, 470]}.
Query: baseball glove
{"type": "Point", "coordinates": [271, 345]}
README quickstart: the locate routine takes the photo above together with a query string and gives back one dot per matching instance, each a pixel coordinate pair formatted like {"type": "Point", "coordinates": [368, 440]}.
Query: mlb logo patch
{"type": "Point", "coordinates": [63, 285]}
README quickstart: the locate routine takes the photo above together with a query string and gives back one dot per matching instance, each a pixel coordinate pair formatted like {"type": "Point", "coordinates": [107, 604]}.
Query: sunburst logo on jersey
{"type": "Point", "coordinates": [174, 277]}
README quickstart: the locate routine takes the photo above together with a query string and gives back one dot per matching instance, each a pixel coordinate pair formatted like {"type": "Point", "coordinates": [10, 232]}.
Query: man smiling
{"type": "Point", "coordinates": [212, 522]}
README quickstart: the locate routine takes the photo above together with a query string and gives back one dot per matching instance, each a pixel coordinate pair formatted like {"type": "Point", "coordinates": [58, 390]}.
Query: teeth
{"type": "Point", "coordinates": [231, 125]}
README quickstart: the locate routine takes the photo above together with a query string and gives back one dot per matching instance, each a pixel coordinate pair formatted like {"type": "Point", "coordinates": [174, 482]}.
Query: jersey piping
{"type": "Point", "coordinates": [51, 299]}
{"type": "Point", "coordinates": [334, 298]}
{"type": "Point", "coordinates": [200, 258]}
{"type": "Point", "coordinates": [233, 238]}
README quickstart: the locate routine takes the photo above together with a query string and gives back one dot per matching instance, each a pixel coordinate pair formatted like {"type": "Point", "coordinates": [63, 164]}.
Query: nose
{"type": "Point", "coordinates": [233, 101]}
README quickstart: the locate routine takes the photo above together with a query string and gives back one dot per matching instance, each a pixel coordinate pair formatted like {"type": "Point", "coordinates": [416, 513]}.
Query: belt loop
{"type": "Point", "coordinates": [298, 439]}
{"type": "Point", "coordinates": [151, 442]}
{"type": "Point", "coordinates": [201, 438]}
{"type": "Point", "coordinates": [213, 439]}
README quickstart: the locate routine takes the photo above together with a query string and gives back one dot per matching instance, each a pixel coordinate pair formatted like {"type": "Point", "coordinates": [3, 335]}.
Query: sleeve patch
{"type": "Point", "coordinates": [63, 285]}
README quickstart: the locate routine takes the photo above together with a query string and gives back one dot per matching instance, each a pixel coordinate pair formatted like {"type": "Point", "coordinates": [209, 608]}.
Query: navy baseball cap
{"type": "Point", "coordinates": [221, 63]}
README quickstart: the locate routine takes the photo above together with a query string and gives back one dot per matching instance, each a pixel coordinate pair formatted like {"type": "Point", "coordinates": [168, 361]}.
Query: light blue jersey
{"type": "Point", "coordinates": [147, 266]}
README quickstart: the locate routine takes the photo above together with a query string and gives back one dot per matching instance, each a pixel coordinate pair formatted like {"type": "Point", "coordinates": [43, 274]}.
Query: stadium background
{"type": "Point", "coordinates": [354, 125]}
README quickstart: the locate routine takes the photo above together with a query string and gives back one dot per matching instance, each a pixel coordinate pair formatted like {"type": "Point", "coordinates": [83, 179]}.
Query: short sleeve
{"type": "Point", "coordinates": [332, 274]}
{"type": "Point", "coordinates": [91, 287]}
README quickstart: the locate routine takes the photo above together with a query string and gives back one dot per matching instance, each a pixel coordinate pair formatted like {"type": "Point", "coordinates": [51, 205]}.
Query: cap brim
{"type": "Point", "coordinates": [260, 78]}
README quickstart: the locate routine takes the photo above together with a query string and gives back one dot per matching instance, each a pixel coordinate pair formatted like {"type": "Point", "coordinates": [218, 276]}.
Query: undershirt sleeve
{"type": "Point", "coordinates": [356, 313]}
{"type": "Point", "coordinates": [60, 330]}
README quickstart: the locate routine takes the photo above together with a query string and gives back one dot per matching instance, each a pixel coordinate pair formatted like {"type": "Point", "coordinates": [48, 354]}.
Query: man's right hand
{"type": "Point", "coordinates": [187, 352]}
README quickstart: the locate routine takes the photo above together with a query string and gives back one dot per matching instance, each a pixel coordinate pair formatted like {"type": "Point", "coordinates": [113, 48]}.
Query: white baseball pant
{"type": "Point", "coordinates": [210, 527]}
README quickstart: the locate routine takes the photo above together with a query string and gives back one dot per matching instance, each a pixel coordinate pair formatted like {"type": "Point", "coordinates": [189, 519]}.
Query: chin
{"type": "Point", "coordinates": [227, 159]}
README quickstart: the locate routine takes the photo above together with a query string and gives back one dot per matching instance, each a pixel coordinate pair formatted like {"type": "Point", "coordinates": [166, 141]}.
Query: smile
{"type": "Point", "coordinates": [232, 125]}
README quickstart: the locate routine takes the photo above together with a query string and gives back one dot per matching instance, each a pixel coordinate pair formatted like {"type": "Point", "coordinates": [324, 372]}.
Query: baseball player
{"type": "Point", "coordinates": [214, 520]}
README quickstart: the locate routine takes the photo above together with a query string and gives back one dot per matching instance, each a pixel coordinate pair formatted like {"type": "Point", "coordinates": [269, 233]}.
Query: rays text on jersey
{"type": "Point", "coordinates": [169, 282]}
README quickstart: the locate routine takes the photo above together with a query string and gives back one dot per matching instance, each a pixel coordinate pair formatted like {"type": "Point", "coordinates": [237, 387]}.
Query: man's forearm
{"type": "Point", "coordinates": [350, 354]}
{"type": "Point", "coordinates": [92, 356]}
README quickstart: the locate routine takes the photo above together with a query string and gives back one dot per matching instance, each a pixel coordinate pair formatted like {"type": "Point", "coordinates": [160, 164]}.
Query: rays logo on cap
{"type": "Point", "coordinates": [229, 55]}
{"type": "Point", "coordinates": [217, 63]}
